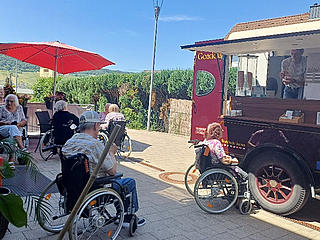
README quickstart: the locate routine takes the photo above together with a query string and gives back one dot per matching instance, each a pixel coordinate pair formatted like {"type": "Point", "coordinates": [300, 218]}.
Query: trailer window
{"type": "Point", "coordinates": [205, 83]}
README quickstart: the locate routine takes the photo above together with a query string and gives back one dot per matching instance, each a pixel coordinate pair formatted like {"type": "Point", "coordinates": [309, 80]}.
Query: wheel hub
{"type": "Point", "coordinates": [273, 183]}
{"type": "Point", "coordinates": [99, 221]}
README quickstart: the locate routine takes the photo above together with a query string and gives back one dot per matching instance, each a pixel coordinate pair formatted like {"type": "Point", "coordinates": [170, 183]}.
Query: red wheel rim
{"type": "Point", "coordinates": [274, 184]}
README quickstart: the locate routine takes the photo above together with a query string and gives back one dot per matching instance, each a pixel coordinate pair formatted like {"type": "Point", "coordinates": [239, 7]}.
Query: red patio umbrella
{"type": "Point", "coordinates": [56, 56]}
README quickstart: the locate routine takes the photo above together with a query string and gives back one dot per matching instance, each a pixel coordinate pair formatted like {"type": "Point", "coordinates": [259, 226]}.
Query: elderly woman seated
{"type": "Point", "coordinates": [61, 121]}
{"type": "Point", "coordinates": [12, 119]}
{"type": "Point", "coordinates": [113, 115]}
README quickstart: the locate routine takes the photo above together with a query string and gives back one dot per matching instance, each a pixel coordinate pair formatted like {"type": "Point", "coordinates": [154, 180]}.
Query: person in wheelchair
{"type": "Point", "coordinates": [61, 123]}
{"type": "Point", "coordinates": [12, 119]}
{"type": "Point", "coordinates": [113, 115]}
{"type": "Point", "coordinates": [86, 142]}
{"type": "Point", "coordinates": [218, 156]}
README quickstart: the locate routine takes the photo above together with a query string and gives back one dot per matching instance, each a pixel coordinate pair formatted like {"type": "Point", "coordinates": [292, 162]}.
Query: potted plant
{"type": "Point", "coordinates": [11, 205]}
{"type": "Point", "coordinates": [50, 99]}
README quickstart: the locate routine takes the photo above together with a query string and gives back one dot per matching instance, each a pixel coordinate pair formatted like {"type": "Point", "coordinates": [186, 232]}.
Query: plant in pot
{"type": "Point", "coordinates": [50, 99]}
{"type": "Point", "coordinates": [12, 205]}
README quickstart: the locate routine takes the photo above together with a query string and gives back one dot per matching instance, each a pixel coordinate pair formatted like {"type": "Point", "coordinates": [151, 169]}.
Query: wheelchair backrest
{"type": "Point", "coordinates": [75, 174]}
{"type": "Point", "coordinates": [121, 134]}
{"type": "Point", "coordinates": [44, 121]}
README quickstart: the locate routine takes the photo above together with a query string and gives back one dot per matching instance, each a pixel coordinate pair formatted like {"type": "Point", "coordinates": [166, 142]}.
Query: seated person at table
{"type": "Point", "coordinates": [86, 142]}
{"type": "Point", "coordinates": [212, 140]}
{"type": "Point", "coordinates": [114, 114]}
{"type": "Point", "coordinates": [61, 123]}
{"type": "Point", "coordinates": [292, 74]}
{"type": "Point", "coordinates": [12, 119]}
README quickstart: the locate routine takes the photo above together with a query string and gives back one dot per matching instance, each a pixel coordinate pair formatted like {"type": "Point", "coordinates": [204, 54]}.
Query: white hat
{"type": "Point", "coordinates": [89, 117]}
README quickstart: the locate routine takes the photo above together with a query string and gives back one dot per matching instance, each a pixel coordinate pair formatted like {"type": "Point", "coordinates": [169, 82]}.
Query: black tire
{"type": "Point", "coordinates": [125, 147]}
{"type": "Point", "coordinates": [277, 182]}
{"type": "Point", "coordinates": [3, 226]}
{"type": "Point", "coordinates": [133, 225]}
{"type": "Point", "coordinates": [51, 209]}
{"type": "Point", "coordinates": [45, 142]}
{"type": "Point", "coordinates": [189, 183]}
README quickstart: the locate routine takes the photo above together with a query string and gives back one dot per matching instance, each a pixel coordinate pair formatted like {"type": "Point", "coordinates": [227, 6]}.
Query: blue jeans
{"type": "Point", "coordinates": [130, 183]}
{"type": "Point", "coordinates": [293, 93]}
{"type": "Point", "coordinates": [10, 131]}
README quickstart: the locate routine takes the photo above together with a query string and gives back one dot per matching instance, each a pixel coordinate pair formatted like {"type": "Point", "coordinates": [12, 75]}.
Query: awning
{"type": "Point", "coordinates": [279, 42]}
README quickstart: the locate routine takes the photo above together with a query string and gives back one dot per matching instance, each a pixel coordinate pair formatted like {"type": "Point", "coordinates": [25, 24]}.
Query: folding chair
{"type": "Point", "coordinates": [44, 124]}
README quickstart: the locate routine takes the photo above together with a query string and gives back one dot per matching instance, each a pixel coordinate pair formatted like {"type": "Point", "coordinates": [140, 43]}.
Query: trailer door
{"type": "Point", "coordinates": [207, 92]}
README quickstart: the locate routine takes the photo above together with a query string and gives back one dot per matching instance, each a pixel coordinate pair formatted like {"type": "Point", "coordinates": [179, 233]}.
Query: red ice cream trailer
{"type": "Point", "coordinates": [266, 93]}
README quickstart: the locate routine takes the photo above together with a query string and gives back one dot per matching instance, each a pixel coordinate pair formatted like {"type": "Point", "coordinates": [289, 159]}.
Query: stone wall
{"type": "Point", "coordinates": [180, 116]}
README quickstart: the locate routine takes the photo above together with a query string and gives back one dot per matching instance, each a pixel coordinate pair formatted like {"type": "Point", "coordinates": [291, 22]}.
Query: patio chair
{"type": "Point", "coordinates": [44, 124]}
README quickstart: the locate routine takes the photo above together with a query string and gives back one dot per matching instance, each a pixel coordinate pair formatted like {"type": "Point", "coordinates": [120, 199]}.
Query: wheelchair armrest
{"type": "Point", "coordinates": [107, 179]}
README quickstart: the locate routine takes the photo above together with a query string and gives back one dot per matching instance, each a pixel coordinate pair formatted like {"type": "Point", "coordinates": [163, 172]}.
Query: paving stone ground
{"type": "Point", "coordinates": [171, 213]}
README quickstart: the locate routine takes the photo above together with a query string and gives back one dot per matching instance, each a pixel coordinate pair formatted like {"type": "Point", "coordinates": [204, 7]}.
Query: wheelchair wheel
{"type": "Point", "coordinates": [45, 142]}
{"type": "Point", "coordinates": [245, 207]}
{"type": "Point", "coordinates": [216, 190]}
{"type": "Point", "coordinates": [101, 214]}
{"type": "Point", "coordinates": [51, 209]}
{"type": "Point", "coordinates": [102, 137]}
{"type": "Point", "coordinates": [133, 225]}
{"type": "Point", "coordinates": [125, 148]}
{"type": "Point", "coordinates": [188, 180]}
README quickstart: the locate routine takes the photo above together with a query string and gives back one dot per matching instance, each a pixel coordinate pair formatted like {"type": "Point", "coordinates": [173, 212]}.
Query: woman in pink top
{"type": "Point", "coordinates": [212, 140]}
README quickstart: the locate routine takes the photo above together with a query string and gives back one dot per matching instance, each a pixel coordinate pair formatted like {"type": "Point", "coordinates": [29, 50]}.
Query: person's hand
{"type": "Point", "coordinates": [226, 160]}
{"type": "Point", "coordinates": [287, 80]}
{"type": "Point", "coordinates": [113, 149]}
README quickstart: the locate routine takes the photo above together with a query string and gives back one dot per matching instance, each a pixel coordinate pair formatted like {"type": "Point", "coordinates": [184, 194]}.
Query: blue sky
{"type": "Point", "coordinates": [122, 30]}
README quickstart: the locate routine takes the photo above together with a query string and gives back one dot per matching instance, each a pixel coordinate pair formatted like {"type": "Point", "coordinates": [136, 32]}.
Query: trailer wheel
{"type": "Point", "coordinates": [277, 183]}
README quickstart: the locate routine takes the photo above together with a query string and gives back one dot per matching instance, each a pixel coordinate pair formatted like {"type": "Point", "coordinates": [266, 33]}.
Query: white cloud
{"type": "Point", "coordinates": [178, 18]}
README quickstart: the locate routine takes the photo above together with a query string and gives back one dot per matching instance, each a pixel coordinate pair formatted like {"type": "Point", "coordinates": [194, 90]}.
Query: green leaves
{"type": "Point", "coordinates": [11, 207]}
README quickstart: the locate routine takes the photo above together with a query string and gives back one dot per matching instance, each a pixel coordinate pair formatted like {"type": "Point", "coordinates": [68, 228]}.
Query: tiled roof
{"type": "Point", "coordinates": [267, 23]}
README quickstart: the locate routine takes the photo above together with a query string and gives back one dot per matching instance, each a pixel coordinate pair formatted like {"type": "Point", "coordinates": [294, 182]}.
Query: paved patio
{"type": "Point", "coordinates": [171, 213]}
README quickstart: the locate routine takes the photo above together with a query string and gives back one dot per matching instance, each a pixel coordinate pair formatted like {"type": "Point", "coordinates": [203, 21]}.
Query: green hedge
{"type": "Point", "coordinates": [129, 90]}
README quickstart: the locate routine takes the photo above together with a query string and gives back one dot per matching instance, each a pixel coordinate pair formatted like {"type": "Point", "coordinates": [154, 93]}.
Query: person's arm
{"type": "Point", "coordinates": [284, 74]}
{"type": "Point", "coordinates": [23, 120]}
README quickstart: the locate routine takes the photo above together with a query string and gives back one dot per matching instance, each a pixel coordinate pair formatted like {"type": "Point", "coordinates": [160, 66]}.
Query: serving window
{"type": "Point", "coordinates": [276, 86]}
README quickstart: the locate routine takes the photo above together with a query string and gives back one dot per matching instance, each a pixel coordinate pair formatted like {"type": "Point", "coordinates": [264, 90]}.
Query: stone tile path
{"type": "Point", "coordinates": [171, 213]}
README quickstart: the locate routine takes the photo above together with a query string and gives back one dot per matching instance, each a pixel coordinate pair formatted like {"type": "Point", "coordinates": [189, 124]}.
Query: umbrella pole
{"type": "Point", "coordinates": [54, 80]}
{"type": "Point", "coordinates": [93, 176]}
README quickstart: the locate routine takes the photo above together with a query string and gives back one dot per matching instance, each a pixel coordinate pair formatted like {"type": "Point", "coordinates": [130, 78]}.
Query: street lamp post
{"type": "Point", "coordinates": [156, 15]}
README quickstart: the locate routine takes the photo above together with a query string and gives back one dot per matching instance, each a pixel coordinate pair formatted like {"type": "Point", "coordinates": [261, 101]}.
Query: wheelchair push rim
{"type": "Point", "coordinates": [216, 191]}
{"type": "Point", "coordinates": [102, 212]}
{"type": "Point", "coordinates": [46, 141]}
{"type": "Point", "coordinates": [125, 147]}
{"type": "Point", "coordinates": [51, 209]}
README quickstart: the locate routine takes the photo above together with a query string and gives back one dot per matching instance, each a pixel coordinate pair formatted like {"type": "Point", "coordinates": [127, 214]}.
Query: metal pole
{"type": "Point", "coordinates": [16, 76]}
{"type": "Point", "coordinates": [156, 11]}
{"type": "Point", "coordinates": [93, 176]}
{"type": "Point", "coordinates": [55, 79]}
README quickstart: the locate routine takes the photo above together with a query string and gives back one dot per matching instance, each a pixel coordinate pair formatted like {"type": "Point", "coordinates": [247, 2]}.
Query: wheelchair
{"type": "Point", "coordinates": [218, 186]}
{"type": "Point", "coordinates": [102, 211]}
{"type": "Point", "coordinates": [123, 140]}
{"type": "Point", "coordinates": [47, 145]}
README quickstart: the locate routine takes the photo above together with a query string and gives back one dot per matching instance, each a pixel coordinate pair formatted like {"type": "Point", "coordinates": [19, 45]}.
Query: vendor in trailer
{"type": "Point", "coordinates": [292, 74]}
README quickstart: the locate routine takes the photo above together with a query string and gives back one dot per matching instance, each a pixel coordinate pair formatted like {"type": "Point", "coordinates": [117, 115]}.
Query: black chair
{"type": "Point", "coordinates": [122, 131]}
{"type": "Point", "coordinates": [44, 124]}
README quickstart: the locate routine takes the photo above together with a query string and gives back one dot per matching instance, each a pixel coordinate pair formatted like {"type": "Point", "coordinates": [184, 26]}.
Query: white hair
{"type": "Point", "coordinates": [16, 101]}
{"type": "Point", "coordinates": [61, 105]}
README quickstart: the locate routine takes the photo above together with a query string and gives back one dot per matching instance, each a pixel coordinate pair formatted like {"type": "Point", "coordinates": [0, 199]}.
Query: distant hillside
{"type": "Point", "coordinates": [9, 64]}
{"type": "Point", "coordinates": [95, 72]}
